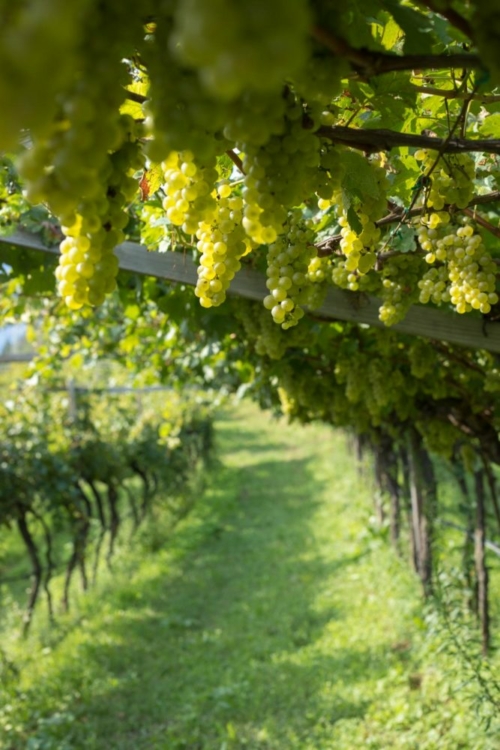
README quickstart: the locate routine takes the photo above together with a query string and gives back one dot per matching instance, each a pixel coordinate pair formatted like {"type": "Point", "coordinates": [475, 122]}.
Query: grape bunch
{"type": "Point", "coordinates": [467, 276]}
{"type": "Point", "coordinates": [252, 44]}
{"type": "Point", "coordinates": [222, 242]}
{"type": "Point", "coordinates": [269, 340]}
{"type": "Point", "coordinates": [87, 266]}
{"type": "Point", "coordinates": [181, 114]}
{"type": "Point", "coordinates": [292, 270]}
{"type": "Point", "coordinates": [189, 188]}
{"type": "Point", "coordinates": [280, 174]}
{"type": "Point", "coordinates": [451, 181]}
{"type": "Point", "coordinates": [359, 244]}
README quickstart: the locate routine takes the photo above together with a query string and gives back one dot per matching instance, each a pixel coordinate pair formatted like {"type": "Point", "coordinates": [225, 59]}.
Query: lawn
{"type": "Point", "coordinates": [274, 617]}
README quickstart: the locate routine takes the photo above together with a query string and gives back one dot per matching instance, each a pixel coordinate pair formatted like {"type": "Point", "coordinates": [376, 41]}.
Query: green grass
{"type": "Point", "coordinates": [275, 617]}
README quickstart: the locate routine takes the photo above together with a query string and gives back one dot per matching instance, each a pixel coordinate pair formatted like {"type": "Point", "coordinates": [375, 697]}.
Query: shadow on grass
{"type": "Point", "coordinates": [225, 638]}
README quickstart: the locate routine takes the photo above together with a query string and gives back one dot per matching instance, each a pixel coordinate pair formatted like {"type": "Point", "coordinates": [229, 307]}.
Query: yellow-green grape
{"type": "Point", "coordinates": [189, 190]}
{"type": "Point", "coordinates": [280, 174]}
{"type": "Point", "coordinates": [288, 278]}
{"type": "Point", "coordinates": [269, 339]}
{"type": "Point", "coordinates": [359, 246]}
{"type": "Point", "coordinates": [88, 267]}
{"type": "Point", "coordinates": [181, 115]}
{"type": "Point", "coordinates": [318, 272]}
{"type": "Point", "coordinates": [320, 79]}
{"type": "Point", "coordinates": [36, 37]}
{"type": "Point", "coordinates": [64, 164]}
{"type": "Point", "coordinates": [254, 117]}
{"type": "Point", "coordinates": [464, 272]}
{"type": "Point", "coordinates": [399, 288]}
{"type": "Point", "coordinates": [222, 242]}
{"type": "Point", "coordinates": [251, 44]}
{"type": "Point", "coordinates": [451, 181]}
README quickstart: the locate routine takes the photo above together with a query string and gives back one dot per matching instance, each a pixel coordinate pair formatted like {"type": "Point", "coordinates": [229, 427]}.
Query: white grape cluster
{"type": "Point", "coordinates": [280, 174]}
{"type": "Point", "coordinates": [254, 44]}
{"type": "Point", "coordinates": [189, 190]}
{"type": "Point", "coordinates": [87, 266]}
{"type": "Point", "coordinates": [36, 37]}
{"type": "Point", "coordinates": [451, 180]}
{"type": "Point", "coordinates": [359, 246]}
{"type": "Point", "coordinates": [269, 340]}
{"type": "Point", "coordinates": [222, 242]}
{"type": "Point", "coordinates": [294, 273]}
{"type": "Point", "coordinates": [467, 276]}
{"type": "Point", "coordinates": [180, 114]}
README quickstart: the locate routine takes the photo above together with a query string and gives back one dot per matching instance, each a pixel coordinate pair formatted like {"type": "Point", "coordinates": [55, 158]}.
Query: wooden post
{"type": "Point", "coordinates": [481, 569]}
{"type": "Point", "coordinates": [72, 405]}
{"type": "Point", "coordinates": [422, 494]}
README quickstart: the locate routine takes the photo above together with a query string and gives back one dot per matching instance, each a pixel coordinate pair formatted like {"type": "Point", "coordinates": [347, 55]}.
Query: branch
{"type": "Point", "coordinates": [328, 245]}
{"type": "Point", "coordinates": [483, 222]}
{"type": "Point", "coordinates": [236, 160]}
{"type": "Point", "coordinates": [139, 98]}
{"type": "Point", "coordinates": [374, 140]}
{"type": "Point", "coordinates": [367, 63]}
{"type": "Point", "coordinates": [456, 94]}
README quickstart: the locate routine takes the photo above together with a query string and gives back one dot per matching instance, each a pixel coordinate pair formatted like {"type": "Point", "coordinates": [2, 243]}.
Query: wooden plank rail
{"type": "Point", "coordinates": [465, 330]}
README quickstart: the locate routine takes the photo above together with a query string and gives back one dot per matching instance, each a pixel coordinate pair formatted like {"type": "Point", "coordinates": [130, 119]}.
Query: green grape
{"type": "Point", "coordinates": [451, 181]}
{"type": "Point", "coordinates": [295, 274]}
{"type": "Point", "coordinates": [399, 288]}
{"type": "Point", "coordinates": [359, 246]}
{"type": "Point", "coordinates": [320, 79]}
{"type": "Point", "coordinates": [181, 116]}
{"type": "Point", "coordinates": [35, 38]}
{"type": "Point", "coordinates": [189, 190]}
{"type": "Point", "coordinates": [252, 44]}
{"type": "Point", "coordinates": [222, 243]}
{"type": "Point", "coordinates": [280, 174]}
{"type": "Point", "coordinates": [269, 340]}
{"type": "Point", "coordinates": [87, 266]}
{"type": "Point", "coordinates": [463, 272]}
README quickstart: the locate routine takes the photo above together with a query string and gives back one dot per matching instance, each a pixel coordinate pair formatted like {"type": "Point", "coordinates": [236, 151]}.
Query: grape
{"type": "Point", "coordinates": [252, 44]}
{"type": "Point", "coordinates": [358, 245]}
{"type": "Point", "coordinates": [222, 242]}
{"type": "Point", "coordinates": [189, 188]}
{"type": "Point", "coordinates": [87, 266]}
{"type": "Point", "coordinates": [280, 174]}
{"type": "Point", "coordinates": [467, 276]}
{"type": "Point", "coordinates": [451, 181]}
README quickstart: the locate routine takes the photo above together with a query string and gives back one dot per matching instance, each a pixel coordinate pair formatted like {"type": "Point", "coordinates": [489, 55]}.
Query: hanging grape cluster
{"type": "Point", "coordinates": [260, 82]}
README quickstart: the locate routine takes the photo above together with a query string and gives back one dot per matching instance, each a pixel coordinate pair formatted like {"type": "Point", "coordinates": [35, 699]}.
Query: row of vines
{"type": "Point", "coordinates": [78, 474]}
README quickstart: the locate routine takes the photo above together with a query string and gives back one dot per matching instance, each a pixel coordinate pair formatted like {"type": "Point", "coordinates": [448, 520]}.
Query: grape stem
{"type": "Point", "coordinates": [367, 64]}
{"type": "Point", "coordinates": [236, 160]}
{"type": "Point", "coordinates": [455, 94]}
{"type": "Point", "coordinates": [483, 222]}
{"type": "Point", "coordinates": [134, 97]}
{"type": "Point", "coordinates": [373, 141]}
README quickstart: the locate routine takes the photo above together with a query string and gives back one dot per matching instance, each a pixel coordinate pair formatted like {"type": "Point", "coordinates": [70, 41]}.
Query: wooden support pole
{"type": "Point", "coordinates": [481, 569]}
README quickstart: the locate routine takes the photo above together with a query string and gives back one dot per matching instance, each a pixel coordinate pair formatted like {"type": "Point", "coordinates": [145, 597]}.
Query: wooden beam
{"type": "Point", "coordinates": [465, 330]}
{"type": "Point", "coordinates": [8, 358]}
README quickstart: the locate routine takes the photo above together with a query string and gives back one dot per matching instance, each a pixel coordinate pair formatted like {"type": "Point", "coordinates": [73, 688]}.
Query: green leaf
{"type": "Point", "coordinates": [416, 27]}
{"type": "Point", "coordinates": [403, 240]}
{"type": "Point", "coordinates": [491, 126]}
{"type": "Point", "coordinates": [359, 178]}
{"type": "Point", "coordinates": [354, 222]}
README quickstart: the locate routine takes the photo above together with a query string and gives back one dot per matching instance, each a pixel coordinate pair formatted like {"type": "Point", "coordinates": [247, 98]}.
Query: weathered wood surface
{"type": "Point", "coordinates": [464, 330]}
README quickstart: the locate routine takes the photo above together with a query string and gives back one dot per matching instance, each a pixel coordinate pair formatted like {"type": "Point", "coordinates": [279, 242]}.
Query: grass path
{"type": "Point", "coordinates": [270, 620]}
